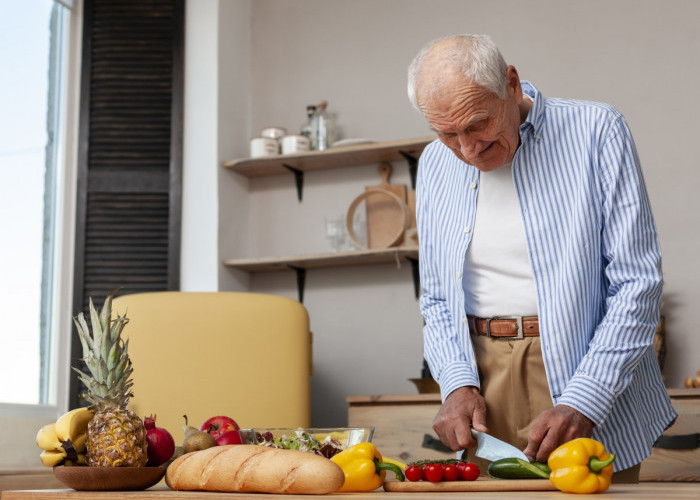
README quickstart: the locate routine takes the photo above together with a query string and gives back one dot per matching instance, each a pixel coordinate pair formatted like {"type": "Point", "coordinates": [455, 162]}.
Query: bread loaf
{"type": "Point", "coordinates": [254, 468]}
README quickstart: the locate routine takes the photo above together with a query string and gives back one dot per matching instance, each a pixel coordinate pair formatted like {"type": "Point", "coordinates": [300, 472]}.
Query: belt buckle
{"type": "Point", "coordinates": [518, 321]}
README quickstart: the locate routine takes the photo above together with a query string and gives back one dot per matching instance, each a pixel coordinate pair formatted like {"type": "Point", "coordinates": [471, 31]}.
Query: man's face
{"type": "Point", "coordinates": [480, 128]}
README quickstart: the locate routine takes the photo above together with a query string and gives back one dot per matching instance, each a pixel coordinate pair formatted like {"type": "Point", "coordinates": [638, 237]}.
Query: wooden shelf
{"type": "Point", "coordinates": [323, 260]}
{"type": "Point", "coordinates": [301, 263]}
{"type": "Point", "coordinates": [348, 156]}
{"type": "Point", "coordinates": [360, 154]}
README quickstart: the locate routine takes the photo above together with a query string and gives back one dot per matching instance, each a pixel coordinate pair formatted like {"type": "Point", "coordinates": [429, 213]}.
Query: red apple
{"type": "Point", "coordinates": [230, 437]}
{"type": "Point", "coordinates": [218, 425]}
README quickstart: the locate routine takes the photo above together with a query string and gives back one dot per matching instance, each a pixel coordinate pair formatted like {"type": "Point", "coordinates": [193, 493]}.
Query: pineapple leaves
{"type": "Point", "coordinates": [97, 335]}
{"type": "Point", "coordinates": [105, 354]}
{"type": "Point", "coordinates": [83, 332]}
{"type": "Point", "coordinates": [106, 313]}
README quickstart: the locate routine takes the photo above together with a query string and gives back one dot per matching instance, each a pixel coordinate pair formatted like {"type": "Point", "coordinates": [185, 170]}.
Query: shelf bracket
{"type": "Point", "coordinates": [298, 179]}
{"type": "Point", "coordinates": [301, 281]}
{"type": "Point", "coordinates": [416, 275]}
{"type": "Point", "coordinates": [412, 166]}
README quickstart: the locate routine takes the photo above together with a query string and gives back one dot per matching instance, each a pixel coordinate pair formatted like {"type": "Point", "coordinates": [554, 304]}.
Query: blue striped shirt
{"type": "Point", "coordinates": [596, 261]}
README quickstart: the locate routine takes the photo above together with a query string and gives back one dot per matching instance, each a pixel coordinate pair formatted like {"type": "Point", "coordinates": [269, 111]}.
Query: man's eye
{"type": "Point", "coordinates": [478, 126]}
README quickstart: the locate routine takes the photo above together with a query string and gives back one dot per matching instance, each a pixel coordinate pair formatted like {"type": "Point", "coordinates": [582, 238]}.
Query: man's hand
{"type": "Point", "coordinates": [463, 409]}
{"type": "Point", "coordinates": [555, 427]}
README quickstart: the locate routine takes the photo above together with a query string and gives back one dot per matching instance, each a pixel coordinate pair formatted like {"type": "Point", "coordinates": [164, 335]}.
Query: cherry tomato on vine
{"type": "Point", "coordinates": [468, 471]}
{"type": "Point", "coordinates": [413, 473]}
{"type": "Point", "coordinates": [433, 472]}
{"type": "Point", "coordinates": [450, 472]}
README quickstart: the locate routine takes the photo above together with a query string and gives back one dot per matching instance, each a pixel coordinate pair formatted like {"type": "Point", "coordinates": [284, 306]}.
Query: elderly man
{"type": "Point", "coordinates": [540, 264]}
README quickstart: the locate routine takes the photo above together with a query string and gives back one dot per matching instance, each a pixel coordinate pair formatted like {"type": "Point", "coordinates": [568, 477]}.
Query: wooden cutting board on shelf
{"type": "Point", "coordinates": [481, 484]}
{"type": "Point", "coordinates": [384, 215]}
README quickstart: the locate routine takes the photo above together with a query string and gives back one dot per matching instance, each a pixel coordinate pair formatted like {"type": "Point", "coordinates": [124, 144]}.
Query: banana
{"type": "Point", "coordinates": [51, 458]}
{"type": "Point", "coordinates": [72, 424]}
{"type": "Point", "coordinates": [65, 440]}
{"type": "Point", "coordinates": [80, 443]}
{"type": "Point", "coordinates": [47, 439]}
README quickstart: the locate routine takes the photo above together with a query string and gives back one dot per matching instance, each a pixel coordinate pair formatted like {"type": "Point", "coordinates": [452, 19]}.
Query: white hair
{"type": "Point", "coordinates": [476, 56]}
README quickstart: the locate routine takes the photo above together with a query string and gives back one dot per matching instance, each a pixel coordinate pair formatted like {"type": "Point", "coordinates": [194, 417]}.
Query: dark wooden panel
{"type": "Point", "coordinates": [129, 165]}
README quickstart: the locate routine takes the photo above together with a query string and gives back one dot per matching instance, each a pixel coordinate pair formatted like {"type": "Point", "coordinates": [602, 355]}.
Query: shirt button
{"type": "Point", "coordinates": [459, 274]}
{"type": "Point", "coordinates": [537, 137]}
{"type": "Point", "coordinates": [472, 185]}
{"type": "Point", "coordinates": [467, 229]}
{"type": "Point", "coordinates": [464, 320]}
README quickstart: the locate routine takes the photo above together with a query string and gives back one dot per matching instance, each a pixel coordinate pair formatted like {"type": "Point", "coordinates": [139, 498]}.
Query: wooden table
{"type": "Point", "coordinates": [642, 491]}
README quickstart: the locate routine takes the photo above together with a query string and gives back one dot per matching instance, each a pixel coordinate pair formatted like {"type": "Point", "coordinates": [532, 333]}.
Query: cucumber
{"type": "Point", "coordinates": [517, 468]}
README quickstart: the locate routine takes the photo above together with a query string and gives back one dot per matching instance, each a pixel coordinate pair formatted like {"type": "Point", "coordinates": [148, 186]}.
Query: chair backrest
{"type": "Point", "coordinates": [244, 355]}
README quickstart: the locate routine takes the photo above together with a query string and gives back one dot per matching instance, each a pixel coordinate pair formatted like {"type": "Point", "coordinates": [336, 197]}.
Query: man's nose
{"type": "Point", "coordinates": [468, 146]}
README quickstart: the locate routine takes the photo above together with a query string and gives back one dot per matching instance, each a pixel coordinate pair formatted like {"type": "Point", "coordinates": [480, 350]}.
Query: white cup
{"type": "Point", "coordinates": [295, 144]}
{"type": "Point", "coordinates": [274, 132]}
{"type": "Point", "coordinates": [264, 146]}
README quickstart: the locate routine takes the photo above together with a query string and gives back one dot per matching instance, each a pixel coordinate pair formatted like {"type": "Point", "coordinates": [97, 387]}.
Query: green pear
{"type": "Point", "coordinates": [195, 439]}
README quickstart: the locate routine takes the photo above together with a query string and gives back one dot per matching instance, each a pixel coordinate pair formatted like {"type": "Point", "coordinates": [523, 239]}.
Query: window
{"type": "Point", "coordinates": [33, 200]}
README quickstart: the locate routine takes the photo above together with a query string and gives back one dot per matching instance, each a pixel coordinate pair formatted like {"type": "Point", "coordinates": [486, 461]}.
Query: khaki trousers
{"type": "Point", "coordinates": [514, 385]}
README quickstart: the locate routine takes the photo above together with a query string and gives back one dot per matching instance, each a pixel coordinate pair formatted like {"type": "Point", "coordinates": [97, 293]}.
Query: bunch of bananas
{"type": "Point", "coordinates": [65, 440]}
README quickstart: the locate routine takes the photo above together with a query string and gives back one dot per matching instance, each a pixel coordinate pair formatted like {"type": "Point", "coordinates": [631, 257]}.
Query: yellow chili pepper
{"type": "Point", "coordinates": [364, 468]}
{"type": "Point", "coordinates": [581, 466]}
{"type": "Point", "coordinates": [400, 464]}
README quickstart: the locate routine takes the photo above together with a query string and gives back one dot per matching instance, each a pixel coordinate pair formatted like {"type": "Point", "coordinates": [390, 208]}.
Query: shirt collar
{"type": "Point", "coordinates": [535, 116]}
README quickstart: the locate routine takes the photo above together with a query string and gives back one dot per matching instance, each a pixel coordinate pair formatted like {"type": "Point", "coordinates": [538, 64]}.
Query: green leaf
{"type": "Point", "coordinates": [96, 329]}
{"type": "Point", "coordinates": [113, 356]}
{"type": "Point", "coordinates": [84, 333]}
{"type": "Point", "coordinates": [81, 336]}
{"type": "Point", "coordinates": [106, 313]}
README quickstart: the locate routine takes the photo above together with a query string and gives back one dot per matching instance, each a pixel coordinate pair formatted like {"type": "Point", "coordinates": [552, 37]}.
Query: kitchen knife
{"type": "Point", "coordinates": [490, 448]}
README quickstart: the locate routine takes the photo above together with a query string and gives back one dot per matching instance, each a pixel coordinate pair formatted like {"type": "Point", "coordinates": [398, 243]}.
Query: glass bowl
{"type": "Point", "coordinates": [322, 441]}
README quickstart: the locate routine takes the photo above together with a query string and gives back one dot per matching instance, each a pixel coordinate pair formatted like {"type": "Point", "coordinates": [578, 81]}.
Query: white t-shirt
{"type": "Point", "coordinates": [498, 278]}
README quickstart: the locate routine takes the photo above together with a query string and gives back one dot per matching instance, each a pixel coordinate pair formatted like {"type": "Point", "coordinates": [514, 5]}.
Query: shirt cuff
{"type": "Point", "coordinates": [457, 375]}
{"type": "Point", "coordinates": [588, 396]}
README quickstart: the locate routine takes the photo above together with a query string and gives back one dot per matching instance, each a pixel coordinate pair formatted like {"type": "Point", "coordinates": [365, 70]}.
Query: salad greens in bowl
{"type": "Point", "coordinates": [321, 441]}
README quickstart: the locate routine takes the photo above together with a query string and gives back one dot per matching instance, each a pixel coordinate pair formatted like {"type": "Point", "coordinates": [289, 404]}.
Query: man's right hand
{"type": "Point", "coordinates": [463, 409]}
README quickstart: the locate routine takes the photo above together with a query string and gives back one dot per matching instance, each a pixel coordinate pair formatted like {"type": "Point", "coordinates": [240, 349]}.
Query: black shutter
{"type": "Point", "coordinates": [130, 155]}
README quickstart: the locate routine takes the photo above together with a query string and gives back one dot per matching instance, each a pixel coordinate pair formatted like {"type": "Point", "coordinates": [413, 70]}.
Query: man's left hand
{"type": "Point", "coordinates": [555, 427]}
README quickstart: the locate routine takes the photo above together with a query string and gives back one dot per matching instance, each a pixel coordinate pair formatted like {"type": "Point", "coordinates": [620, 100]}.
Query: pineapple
{"type": "Point", "coordinates": [116, 435]}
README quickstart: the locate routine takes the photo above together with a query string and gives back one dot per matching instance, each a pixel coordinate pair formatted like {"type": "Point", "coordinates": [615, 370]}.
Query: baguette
{"type": "Point", "coordinates": [253, 468]}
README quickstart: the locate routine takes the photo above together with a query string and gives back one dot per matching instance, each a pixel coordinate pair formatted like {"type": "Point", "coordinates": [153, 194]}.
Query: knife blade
{"type": "Point", "coordinates": [490, 448]}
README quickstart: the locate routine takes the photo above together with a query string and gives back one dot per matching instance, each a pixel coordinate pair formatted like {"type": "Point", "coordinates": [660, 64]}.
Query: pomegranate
{"type": "Point", "coordinates": [161, 444]}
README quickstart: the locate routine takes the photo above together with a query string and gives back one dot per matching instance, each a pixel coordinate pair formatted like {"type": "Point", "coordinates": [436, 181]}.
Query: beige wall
{"type": "Point", "coordinates": [640, 56]}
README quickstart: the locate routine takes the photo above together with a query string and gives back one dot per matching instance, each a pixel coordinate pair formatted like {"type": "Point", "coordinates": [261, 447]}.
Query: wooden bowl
{"type": "Point", "coordinates": [108, 478]}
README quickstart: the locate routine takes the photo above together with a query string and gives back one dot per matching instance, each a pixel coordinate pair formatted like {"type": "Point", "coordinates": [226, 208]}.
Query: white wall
{"type": "Point", "coordinates": [199, 247]}
{"type": "Point", "coordinates": [637, 55]}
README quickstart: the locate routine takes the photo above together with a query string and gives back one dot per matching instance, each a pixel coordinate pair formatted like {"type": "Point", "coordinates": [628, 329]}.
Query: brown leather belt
{"type": "Point", "coordinates": [505, 326]}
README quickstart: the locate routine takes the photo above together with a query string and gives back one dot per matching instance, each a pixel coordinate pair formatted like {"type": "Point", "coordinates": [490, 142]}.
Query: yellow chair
{"type": "Point", "coordinates": [244, 355]}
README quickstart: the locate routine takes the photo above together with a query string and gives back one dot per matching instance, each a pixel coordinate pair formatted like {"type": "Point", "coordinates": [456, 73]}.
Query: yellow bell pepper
{"type": "Point", "coordinates": [581, 466]}
{"type": "Point", "coordinates": [364, 468]}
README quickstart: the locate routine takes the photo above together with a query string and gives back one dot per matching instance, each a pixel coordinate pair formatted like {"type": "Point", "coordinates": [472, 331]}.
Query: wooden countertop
{"type": "Point", "coordinates": [388, 399]}
{"type": "Point", "coordinates": [434, 397]}
{"type": "Point", "coordinates": [642, 491]}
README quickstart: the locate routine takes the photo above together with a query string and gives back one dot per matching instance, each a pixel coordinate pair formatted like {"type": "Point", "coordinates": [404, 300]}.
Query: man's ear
{"type": "Point", "coordinates": [513, 83]}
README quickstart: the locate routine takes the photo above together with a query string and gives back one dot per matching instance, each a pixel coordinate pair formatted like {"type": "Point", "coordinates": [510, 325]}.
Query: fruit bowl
{"type": "Point", "coordinates": [322, 441]}
{"type": "Point", "coordinates": [83, 478]}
